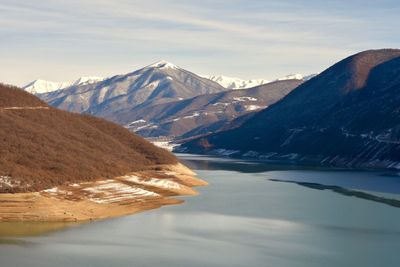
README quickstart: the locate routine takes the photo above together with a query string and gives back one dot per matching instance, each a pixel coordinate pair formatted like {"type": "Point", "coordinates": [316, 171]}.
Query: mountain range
{"type": "Point", "coordinates": [157, 83]}
{"type": "Point", "coordinates": [346, 116]}
{"type": "Point", "coordinates": [203, 114]}
{"type": "Point", "coordinates": [237, 83]}
{"type": "Point", "coordinates": [164, 100]}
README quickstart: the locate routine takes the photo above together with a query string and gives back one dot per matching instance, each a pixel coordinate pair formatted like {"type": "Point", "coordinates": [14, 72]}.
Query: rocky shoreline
{"type": "Point", "coordinates": [102, 198]}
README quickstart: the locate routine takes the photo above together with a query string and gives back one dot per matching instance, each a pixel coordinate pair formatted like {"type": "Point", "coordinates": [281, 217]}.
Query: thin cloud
{"type": "Point", "coordinates": [244, 38]}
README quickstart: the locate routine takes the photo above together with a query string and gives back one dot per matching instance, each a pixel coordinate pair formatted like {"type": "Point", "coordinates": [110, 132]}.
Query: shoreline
{"type": "Point", "coordinates": [104, 198]}
{"type": "Point", "coordinates": [305, 163]}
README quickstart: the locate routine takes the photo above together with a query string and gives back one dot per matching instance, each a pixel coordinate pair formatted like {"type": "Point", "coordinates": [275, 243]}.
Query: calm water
{"type": "Point", "coordinates": [303, 218]}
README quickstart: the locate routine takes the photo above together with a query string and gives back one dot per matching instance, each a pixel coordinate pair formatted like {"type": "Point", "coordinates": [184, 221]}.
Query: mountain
{"type": "Point", "coordinates": [41, 86]}
{"type": "Point", "coordinates": [296, 77]}
{"type": "Point", "coordinates": [42, 147]}
{"type": "Point", "coordinates": [346, 116]}
{"type": "Point", "coordinates": [161, 82]}
{"type": "Point", "coordinates": [236, 83]}
{"type": "Point", "coordinates": [202, 114]}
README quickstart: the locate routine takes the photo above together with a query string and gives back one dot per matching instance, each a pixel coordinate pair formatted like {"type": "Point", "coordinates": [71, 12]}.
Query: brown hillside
{"type": "Point", "coordinates": [13, 96]}
{"type": "Point", "coordinates": [42, 148]}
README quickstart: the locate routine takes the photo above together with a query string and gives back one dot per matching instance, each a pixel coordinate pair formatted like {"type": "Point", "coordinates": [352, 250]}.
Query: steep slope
{"type": "Point", "coordinates": [158, 83]}
{"type": "Point", "coordinates": [346, 116]}
{"type": "Point", "coordinates": [202, 114]}
{"type": "Point", "coordinates": [41, 86]}
{"type": "Point", "coordinates": [41, 147]}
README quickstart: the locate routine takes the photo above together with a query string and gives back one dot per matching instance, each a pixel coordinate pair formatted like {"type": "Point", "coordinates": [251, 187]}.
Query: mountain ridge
{"type": "Point", "coordinates": [203, 113]}
{"type": "Point", "coordinates": [305, 125]}
{"type": "Point", "coordinates": [40, 86]}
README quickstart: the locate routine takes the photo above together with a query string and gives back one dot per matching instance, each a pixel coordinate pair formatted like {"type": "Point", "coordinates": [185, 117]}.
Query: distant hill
{"type": "Point", "coordinates": [202, 114]}
{"type": "Point", "coordinates": [42, 147]}
{"type": "Point", "coordinates": [346, 116]}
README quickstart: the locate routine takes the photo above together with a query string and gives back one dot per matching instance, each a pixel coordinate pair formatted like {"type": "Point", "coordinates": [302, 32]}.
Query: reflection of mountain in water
{"type": "Point", "coordinates": [387, 182]}
{"type": "Point", "coordinates": [346, 192]}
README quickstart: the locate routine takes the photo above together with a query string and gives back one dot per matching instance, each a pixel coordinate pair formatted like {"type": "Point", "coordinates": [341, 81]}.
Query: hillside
{"type": "Point", "coordinates": [42, 147]}
{"type": "Point", "coordinates": [345, 116]}
{"type": "Point", "coordinates": [202, 114]}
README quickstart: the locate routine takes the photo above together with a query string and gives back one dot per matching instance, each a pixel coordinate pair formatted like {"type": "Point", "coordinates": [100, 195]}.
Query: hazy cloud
{"type": "Point", "coordinates": [61, 40]}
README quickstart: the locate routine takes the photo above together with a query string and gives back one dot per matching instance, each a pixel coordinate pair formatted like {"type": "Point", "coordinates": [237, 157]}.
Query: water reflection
{"type": "Point", "coordinates": [242, 219]}
{"type": "Point", "coordinates": [374, 181]}
{"type": "Point", "coordinates": [347, 192]}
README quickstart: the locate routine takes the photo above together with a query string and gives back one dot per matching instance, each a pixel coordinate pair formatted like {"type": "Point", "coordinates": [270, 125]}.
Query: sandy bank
{"type": "Point", "coordinates": [104, 198]}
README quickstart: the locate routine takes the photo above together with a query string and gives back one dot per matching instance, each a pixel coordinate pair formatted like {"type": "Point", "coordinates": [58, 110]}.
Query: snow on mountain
{"type": "Point", "coordinates": [115, 98]}
{"type": "Point", "coordinates": [87, 80]}
{"type": "Point", "coordinates": [162, 64]}
{"type": "Point", "coordinates": [297, 76]}
{"type": "Point", "coordinates": [42, 86]}
{"type": "Point", "coordinates": [236, 83]}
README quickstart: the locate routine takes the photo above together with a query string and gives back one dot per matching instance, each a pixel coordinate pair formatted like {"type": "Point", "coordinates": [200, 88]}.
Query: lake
{"type": "Point", "coordinates": [251, 214]}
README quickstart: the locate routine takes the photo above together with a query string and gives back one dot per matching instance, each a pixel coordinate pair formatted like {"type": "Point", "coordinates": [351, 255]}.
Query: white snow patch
{"type": "Point", "coordinates": [135, 122]}
{"type": "Point", "coordinates": [253, 107]}
{"type": "Point", "coordinates": [111, 192]}
{"type": "Point", "coordinates": [236, 83]}
{"type": "Point", "coordinates": [196, 114]}
{"type": "Point", "coordinates": [160, 183]}
{"type": "Point", "coordinates": [245, 98]}
{"type": "Point", "coordinates": [153, 84]}
{"type": "Point", "coordinates": [221, 104]}
{"type": "Point", "coordinates": [162, 64]}
{"type": "Point", "coordinates": [8, 182]}
{"type": "Point", "coordinates": [165, 144]}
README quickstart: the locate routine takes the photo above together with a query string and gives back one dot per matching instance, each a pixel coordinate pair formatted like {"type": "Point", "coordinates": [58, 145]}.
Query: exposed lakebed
{"type": "Point", "coordinates": [251, 214]}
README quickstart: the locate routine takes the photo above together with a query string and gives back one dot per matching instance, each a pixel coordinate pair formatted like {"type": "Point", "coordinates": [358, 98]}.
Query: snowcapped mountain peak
{"type": "Point", "coordinates": [236, 83]}
{"type": "Point", "coordinates": [162, 64]}
{"type": "Point", "coordinates": [40, 86]}
{"type": "Point", "coordinates": [87, 80]}
{"type": "Point", "coordinates": [295, 76]}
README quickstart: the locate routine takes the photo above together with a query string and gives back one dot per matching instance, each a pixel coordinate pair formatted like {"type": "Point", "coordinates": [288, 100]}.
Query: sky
{"type": "Point", "coordinates": [63, 40]}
